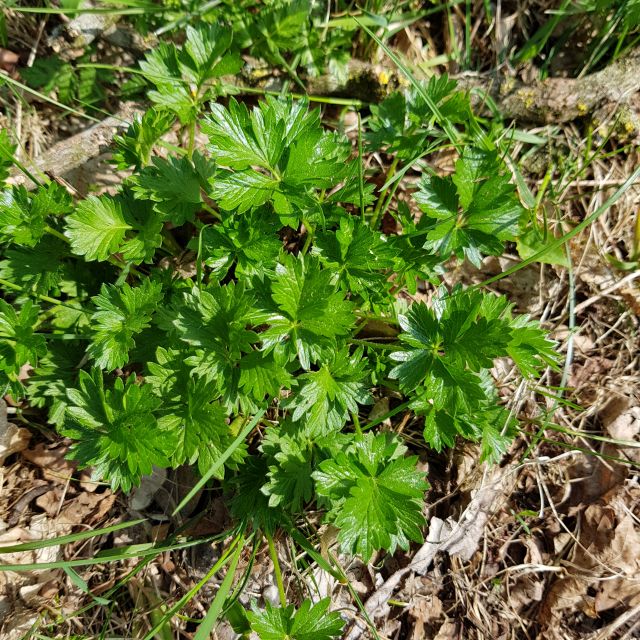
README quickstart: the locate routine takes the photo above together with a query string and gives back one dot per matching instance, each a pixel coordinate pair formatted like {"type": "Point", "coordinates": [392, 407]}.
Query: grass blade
{"type": "Point", "coordinates": [220, 461]}
{"type": "Point", "coordinates": [74, 537]}
{"type": "Point", "coordinates": [449, 129]}
{"type": "Point", "coordinates": [41, 96]}
{"type": "Point", "coordinates": [110, 555]}
{"type": "Point", "coordinates": [204, 630]}
{"type": "Point", "coordinates": [559, 242]}
{"type": "Point", "coordinates": [224, 558]}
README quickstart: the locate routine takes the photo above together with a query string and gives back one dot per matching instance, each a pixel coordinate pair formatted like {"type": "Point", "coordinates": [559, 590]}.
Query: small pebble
{"type": "Point", "coordinates": [270, 594]}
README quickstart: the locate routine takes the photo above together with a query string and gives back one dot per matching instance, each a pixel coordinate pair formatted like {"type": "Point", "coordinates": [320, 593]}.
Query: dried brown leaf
{"type": "Point", "coordinates": [13, 439]}
{"type": "Point", "coordinates": [52, 461]}
{"type": "Point", "coordinates": [607, 560]}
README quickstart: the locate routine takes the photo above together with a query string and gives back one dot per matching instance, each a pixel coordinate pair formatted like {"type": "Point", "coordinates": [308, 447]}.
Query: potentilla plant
{"type": "Point", "coordinates": [293, 306]}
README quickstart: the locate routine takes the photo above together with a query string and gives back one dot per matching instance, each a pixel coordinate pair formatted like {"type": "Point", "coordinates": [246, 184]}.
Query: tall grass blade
{"type": "Point", "coordinates": [220, 461]}
{"type": "Point", "coordinates": [206, 626]}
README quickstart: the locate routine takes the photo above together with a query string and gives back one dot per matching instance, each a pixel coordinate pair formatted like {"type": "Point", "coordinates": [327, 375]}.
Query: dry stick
{"type": "Point", "coordinates": [81, 31]}
{"type": "Point", "coordinates": [550, 101]}
{"type": "Point", "coordinates": [73, 152]}
{"type": "Point", "coordinates": [557, 100]}
{"type": "Point", "coordinates": [605, 292]}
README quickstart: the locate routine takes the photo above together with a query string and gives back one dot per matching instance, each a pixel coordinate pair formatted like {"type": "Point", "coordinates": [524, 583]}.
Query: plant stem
{"type": "Point", "coordinates": [375, 345]}
{"type": "Point", "coordinates": [360, 167]}
{"type": "Point", "coordinates": [347, 102]}
{"type": "Point", "coordinates": [212, 211]}
{"type": "Point", "coordinates": [369, 316]}
{"type": "Point", "coordinates": [199, 260]}
{"type": "Point", "coordinates": [57, 234]}
{"type": "Point", "coordinates": [291, 71]}
{"type": "Point", "coordinates": [273, 554]}
{"type": "Point", "coordinates": [192, 139]}
{"type": "Point", "coordinates": [174, 248]}
{"type": "Point", "coordinates": [17, 287]}
{"type": "Point", "coordinates": [381, 198]}
{"type": "Point", "coordinates": [310, 235]}
{"type": "Point", "coordinates": [62, 336]}
{"type": "Point", "coordinates": [356, 423]}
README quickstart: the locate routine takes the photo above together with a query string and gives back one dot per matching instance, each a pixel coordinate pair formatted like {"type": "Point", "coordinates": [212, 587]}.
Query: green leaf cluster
{"type": "Point", "coordinates": [472, 212]}
{"type": "Point", "coordinates": [252, 276]}
{"type": "Point", "coordinates": [449, 349]}
{"type": "Point", "coordinates": [309, 622]}
{"type": "Point", "coordinates": [19, 345]}
{"type": "Point", "coordinates": [277, 154]}
{"type": "Point", "coordinates": [405, 123]}
{"type": "Point", "coordinates": [374, 495]}
{"type": "Point", "coordinates": [115, 429]}
{"type": "Point", "coordinates": [186, 77]}
{"type": "Point", "coordinates": [292, 34]}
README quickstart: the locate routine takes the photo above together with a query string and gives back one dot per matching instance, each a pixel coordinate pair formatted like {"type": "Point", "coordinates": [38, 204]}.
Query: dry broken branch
{"type": "Point", "coordinates": [69, 154]}
{"type": "Point", "coordinates": [557, 100]}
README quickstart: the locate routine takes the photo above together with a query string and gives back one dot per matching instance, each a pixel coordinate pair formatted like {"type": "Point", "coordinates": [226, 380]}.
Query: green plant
{"type": "Point", "coordinates": [69, 83]}
{"type": "Point", "coordinates": [290, 311]}
{"type": "Point", "coordinates": [307, 623]}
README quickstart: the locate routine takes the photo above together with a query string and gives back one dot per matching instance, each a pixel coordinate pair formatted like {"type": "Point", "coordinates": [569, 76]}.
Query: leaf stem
{"type": "Point", "coordinates": [17, 287]}
{"type": "Point", "coordinates": [310, 235]}
{"type": "Point", "coordinates": [381, 198]}
{"type": "Point", "coordinates": [192, 139]}
{"type": "Point", "coordinates": [57, 234]}
{"type": "Point", "coordinates": [273, 554]}
{"type": "Point", "coordinates": [209, 209]}
{"type": "Point", "coordinates": [376, 345]}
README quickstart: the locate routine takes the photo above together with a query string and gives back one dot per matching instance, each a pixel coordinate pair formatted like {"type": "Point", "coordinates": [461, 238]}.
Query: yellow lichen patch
{"type": "Point", "coordinates": [507, 86]}
{"type": "Point", "coordinates": [383, 78]}
{"type": "Point", "coordinates": [582, 108]}
{"type": "Point", "coordinates": [260, 73]}
{"type": "Point", "coordinates": [526, 96]}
